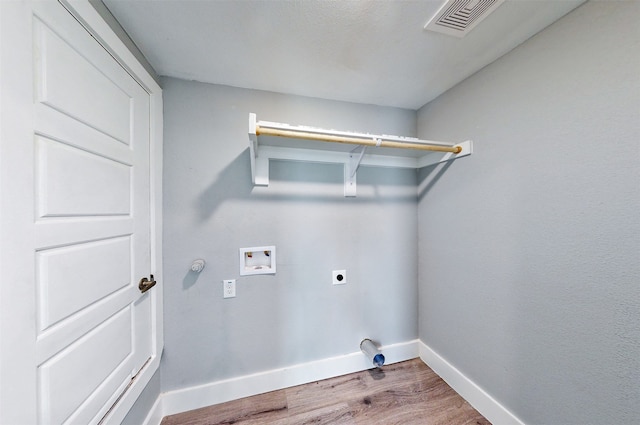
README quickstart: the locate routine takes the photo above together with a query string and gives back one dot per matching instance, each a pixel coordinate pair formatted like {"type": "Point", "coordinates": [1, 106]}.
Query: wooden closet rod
{"type": "Point", "coordinates": [353, 140]}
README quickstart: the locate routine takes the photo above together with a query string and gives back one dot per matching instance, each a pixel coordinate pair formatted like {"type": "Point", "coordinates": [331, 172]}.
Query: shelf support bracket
{"type": "Point", "coordinates": [350, 169]}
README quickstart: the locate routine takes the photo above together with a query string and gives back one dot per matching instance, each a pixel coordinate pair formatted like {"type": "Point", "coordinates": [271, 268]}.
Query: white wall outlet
{"type": "Point", "coordinates": [339, 277]}
{"type": "Point", "coordinates": [229, 288]}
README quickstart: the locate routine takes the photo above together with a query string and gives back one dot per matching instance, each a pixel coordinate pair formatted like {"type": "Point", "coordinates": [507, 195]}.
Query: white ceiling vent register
{"type": "Point", "coordinates": [458, 17]}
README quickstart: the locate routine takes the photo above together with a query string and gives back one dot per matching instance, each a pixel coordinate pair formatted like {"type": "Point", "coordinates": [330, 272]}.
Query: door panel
{"type": "Point", "coordinates": [73, 277]}
{"type": "Point", "coordinates": [100, 102]}
{"type": "Point", "coordinates": [74, 182]}
{"type": "Point", "coordinates": [66, 380]}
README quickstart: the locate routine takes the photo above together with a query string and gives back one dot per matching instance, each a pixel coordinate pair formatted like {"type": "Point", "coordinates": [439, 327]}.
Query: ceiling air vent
{"type": "Point", "coordinates": [458, 17]}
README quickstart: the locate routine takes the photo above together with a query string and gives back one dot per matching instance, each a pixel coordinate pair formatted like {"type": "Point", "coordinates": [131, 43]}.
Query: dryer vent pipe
{"type": "Point", "coordinates": [371, 351]}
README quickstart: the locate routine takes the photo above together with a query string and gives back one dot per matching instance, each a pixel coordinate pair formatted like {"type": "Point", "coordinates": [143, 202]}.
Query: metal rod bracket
{"type": "Point", "coordinates": [350, 169]}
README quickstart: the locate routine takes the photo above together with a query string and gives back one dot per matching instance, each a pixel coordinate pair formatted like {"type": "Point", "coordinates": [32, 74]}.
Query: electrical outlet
{"type": "Point", "coordinates": [339, 277]}
{"type": "Point", "coordinates": [229, 288]}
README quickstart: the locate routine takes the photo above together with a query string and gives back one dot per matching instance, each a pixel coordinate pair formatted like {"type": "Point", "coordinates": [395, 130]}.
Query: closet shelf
{"type": "Point", "coordinates": [271, 140]}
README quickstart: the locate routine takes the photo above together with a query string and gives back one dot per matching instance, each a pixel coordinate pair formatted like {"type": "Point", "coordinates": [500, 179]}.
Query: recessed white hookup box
{"type": "Point", "coordinates": [258, 260]}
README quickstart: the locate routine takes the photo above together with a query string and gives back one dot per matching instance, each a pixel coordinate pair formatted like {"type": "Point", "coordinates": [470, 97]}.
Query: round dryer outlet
{"type": "Point", "coordinates": [339, 277]}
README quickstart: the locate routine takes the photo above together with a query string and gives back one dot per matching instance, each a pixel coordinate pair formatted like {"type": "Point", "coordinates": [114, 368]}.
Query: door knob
{"type": "Point", "coordinates": [146, 284]}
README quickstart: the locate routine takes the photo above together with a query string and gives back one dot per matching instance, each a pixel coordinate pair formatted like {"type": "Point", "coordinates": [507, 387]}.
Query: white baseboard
{"type": "Point", "coordinates": [185, 399]}
{"type": "Point", "coordinates": [496, 413]}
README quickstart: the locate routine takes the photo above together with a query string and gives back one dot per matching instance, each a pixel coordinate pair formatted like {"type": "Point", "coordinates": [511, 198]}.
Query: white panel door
{"type": "Point", "coordinates": [88, 226]}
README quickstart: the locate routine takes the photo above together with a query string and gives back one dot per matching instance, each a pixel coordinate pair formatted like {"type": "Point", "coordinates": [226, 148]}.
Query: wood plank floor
{"type": "Point", "coordinates": [403, 393]}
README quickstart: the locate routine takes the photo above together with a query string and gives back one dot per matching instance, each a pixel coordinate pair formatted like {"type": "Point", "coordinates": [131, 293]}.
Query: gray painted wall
{"type": "Point", "coordinates": [529, 249]}
{"type": "Point", "coordinates": [144, 403]}
{"type": "Point", "coordinates": [211, 210]}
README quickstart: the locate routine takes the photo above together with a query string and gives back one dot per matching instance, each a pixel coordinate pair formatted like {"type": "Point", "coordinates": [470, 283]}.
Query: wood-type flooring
{"type": "Point", "coordinates": [404, 393]}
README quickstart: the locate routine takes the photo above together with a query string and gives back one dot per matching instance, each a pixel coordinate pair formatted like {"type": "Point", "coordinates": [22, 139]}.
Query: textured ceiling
{"type": "Point", "coordinates": [374, 52]}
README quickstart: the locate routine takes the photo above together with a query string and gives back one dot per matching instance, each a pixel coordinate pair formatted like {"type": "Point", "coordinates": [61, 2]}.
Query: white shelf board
{"type": "Point", "coordinates": [264, 148]}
